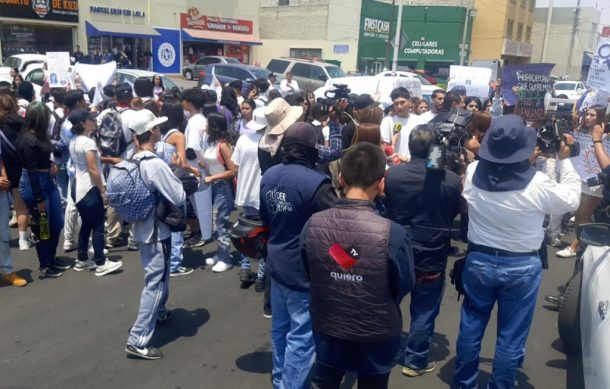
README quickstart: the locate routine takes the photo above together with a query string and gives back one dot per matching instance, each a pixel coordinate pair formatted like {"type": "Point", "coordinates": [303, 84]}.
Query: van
{"type": "Point", "coordinates": [310, 75]}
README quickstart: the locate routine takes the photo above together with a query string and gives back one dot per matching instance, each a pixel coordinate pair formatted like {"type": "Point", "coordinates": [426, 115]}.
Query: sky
{"type": "Point", "coordinates": [602, 5]}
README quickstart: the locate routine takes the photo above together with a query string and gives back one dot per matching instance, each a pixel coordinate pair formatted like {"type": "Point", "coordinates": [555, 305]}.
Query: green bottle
{"type": "Point", "coordinates": [43, 224]}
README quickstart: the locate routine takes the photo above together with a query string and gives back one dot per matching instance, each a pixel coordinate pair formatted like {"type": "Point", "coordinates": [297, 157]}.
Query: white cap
{"type": "Point", "coordinates": [144, 121]}
{"type": "Point", "coordinates": [259, 121]}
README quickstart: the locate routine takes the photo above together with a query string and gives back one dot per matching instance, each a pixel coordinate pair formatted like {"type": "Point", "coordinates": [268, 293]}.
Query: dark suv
{"type": "Point", "coordinates": [226, 73]}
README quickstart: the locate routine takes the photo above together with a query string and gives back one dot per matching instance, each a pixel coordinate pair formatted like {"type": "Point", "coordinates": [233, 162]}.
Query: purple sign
{"type": "Point", "coordinates": [532, 81]}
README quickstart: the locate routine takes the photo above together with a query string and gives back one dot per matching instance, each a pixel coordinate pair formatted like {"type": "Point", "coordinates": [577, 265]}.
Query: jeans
{"type": "Point", "coordinates": [513, 282]}
{"type": "Point", "coordinates": [425, 305]}
{"type": "Point", "coordinates": [245, 261]}
{"type": "Point", "coordinates": [176, 255]}
{"type": "Point", "coordinates": [330, 378]}
{"type": "Point", "coordinates": [293, 345]}
{"type": "Point", "coordinates": [92, 212]}
{"type": "Point", "coordinates": [6, 261]}
{"type": "Point", "coordinates": [155, 258]}
{"type": "Point", "coordinates": [222, 200]}
{"type": "Point", "coordinates": [46, 249]}
{"type": "Point", "coordinates": [61, 177]}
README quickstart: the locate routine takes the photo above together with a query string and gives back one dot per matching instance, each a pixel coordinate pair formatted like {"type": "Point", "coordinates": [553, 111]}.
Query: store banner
{"type": "Point", "coordinates": [532, 82]}
{"type": "Point", "coordinates": [599, 73]}
{"type": "Point", "coordinates": [55, 10]}
{"type": "Point", "coordinates": [475, 80]}
{"type": "Point", "coordinates": [196, 21]}
{"type": "Point", "coordinates": [58, 64]}
{"type": "Point", "coordinates": [166, 50]}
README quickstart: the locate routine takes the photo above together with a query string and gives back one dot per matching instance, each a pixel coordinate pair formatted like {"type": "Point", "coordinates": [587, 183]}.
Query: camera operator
{"type": "Point", "coordinates": [507, 201]}
{"type": "Point", "coordinates": [425, 203]}
{"type": "Point", "coordinates": [451, 103]}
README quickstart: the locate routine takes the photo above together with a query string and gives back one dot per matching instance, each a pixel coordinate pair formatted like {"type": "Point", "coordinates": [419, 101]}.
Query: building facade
{"type": "Point", "coordinates": [559, 35]}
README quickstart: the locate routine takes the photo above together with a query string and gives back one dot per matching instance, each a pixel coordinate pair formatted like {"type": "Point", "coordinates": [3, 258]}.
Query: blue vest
{"type": "Point", "coordinates": [287, 194]}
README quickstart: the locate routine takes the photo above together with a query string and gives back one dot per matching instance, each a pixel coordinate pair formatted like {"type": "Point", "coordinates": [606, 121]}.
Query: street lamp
{"type": "Point", "coordinates": [470, 13]}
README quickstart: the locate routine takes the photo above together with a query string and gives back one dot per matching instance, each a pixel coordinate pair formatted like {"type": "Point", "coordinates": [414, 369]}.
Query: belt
{"type": "Point", "coordinates": [498, 252]}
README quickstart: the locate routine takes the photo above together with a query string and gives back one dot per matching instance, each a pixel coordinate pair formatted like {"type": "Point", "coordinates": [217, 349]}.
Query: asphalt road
{"type": "Point", "coordinates": [70, 332]}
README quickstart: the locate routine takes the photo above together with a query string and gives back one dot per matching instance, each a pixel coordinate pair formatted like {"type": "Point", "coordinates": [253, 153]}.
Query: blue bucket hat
{"type": "Point", "coordinates": [508, 140]}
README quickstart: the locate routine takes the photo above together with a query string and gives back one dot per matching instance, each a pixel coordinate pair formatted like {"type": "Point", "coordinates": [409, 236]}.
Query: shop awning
{"type": "Point", "coordinates": [189, 34]}
{"type": "Point", "coordinates": [118, 29]}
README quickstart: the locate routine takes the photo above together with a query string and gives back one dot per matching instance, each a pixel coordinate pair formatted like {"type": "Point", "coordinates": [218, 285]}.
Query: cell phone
{"type": "Point", "coordinates": [341, 256]}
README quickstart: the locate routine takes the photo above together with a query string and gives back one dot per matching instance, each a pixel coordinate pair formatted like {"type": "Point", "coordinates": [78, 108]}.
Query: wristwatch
{"type": "Point", "coordinates": [597, 141]}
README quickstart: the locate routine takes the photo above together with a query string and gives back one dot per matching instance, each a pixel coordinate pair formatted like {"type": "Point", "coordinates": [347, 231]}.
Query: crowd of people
{"type": "Point", "coordinates": [356, 217]}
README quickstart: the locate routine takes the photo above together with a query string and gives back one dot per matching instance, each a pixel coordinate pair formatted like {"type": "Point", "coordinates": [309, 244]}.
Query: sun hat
{"type": "Point", "coordinates": [280, 115]}
{"type": "Point", "coordinates": [144, 121]}
{"type": "Point", "coordinates": [508, 140]}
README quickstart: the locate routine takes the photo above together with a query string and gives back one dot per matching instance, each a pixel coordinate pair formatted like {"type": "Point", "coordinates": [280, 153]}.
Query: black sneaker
{"type": "Point", "coordinates": [555, 300]}
{"type": "Point", "coordinates": [164, 318]}
{"type": "Point", "coordinates": [144, 353]}
{"type": "Point", "coordinates": [49, 272]}
{"type": "Point", "coordinates": [259, 285]}
{"type": "Point", "coordinates": [246, 276]}
{"type": "Point", "coordinates": [61, 264]}
{"type": "Point", "coordinates": [195, 241]}
{"type": "Point", "coordinates": [133, 246]}
{"type": "Point", "coordinates": [267, 313]}
{"type": "Point", "coordinates": [181, 271]}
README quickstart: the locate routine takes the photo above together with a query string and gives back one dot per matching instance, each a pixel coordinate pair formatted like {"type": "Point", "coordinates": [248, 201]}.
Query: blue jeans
{"type": "Point", "coordinates": [46, 249]}
{"type": "Point", "coordinates": [176, 255]}
{"type": "Point", "coordinates": [155, 261]}
{"type": "Point", "coordinates": [245, 261]}
{"type": "Point", "coordinates": [293, 344]}
{"type": "Point", "coordinates": [222, 200]}
{"type": "Point", "coordinates": [513, 282]}
{"type": "Point", "coordinates": [92, 213]}
{"type": "Point", "coordinates": [61, 177]}
{"type": "Point", "coordinates": [425, 304]}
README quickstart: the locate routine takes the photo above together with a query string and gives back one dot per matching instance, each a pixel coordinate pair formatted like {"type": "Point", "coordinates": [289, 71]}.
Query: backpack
{"type": "Point", "coordinates": [127, 193]}
{"type": "Point", "coordinates": [59, 148]}
{"type": "Point", "coordinates": [110, 134]}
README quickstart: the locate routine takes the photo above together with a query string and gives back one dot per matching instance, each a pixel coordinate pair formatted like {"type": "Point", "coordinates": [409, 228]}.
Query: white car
{"type": "Point", "coordinates": [583, 321]}
{"type": "Point", "coordinates": [426, 86]}
{"type": "Point", "coordinates": [25, 63]}
{"type": "Point", "coordinates": [572, 90]}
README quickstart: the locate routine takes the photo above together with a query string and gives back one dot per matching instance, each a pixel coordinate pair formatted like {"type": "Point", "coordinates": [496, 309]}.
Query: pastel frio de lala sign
{"type": "Point", "coordinates": [52, 10]}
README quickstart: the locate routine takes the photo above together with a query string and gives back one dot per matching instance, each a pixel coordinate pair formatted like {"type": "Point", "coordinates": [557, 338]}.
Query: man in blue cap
{"type": "Point", "coordinates": [507, 200]}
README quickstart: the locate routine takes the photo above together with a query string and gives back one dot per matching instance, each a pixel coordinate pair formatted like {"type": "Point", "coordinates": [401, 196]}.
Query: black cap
{"type": "Point", "coordinates": [302, 133]}
{"type": "Point", "coordinates": [80, 115]}
{"type": "Point", "coordinates": [123, 90]}
{"type": "Point", "coordinates": [362, 101]}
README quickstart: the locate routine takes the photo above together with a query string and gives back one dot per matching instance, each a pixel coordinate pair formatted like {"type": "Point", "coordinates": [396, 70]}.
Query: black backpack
{"type": "Point", "coordinates": [110, 137]}
{"type": "Point", "coordinates": [59, 148]}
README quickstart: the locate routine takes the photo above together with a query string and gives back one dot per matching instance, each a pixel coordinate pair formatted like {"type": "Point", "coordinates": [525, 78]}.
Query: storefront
{"type": "Point", "coordinates": [430, 38]}
{"type": "Point", "coordinates": [37, 26]}
{"type": "Point", "coordinates": [204, 35]}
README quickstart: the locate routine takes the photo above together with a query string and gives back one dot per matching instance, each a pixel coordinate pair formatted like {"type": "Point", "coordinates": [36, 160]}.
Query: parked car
{"type": "Point", "coordinates": [193, 71]}
{"type": "Point", "coordinates": [426, 86]}
{"type": "Point", "coordinates": [225, 73]}
{"type": "Point", "coordinates": [130, 76]}
{"type": "Point", "coordinates": [310, 75]}
{"type": "Point", "coordinates": [22, 62]}
{"type": "Point", "coordinates": [572, 90]}
{"type": "Point", "coordinates": [583, 321]}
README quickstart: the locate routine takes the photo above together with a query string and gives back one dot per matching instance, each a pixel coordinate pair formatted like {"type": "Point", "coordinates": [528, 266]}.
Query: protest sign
{"type": "Point", "coordinates": [585, 163]}
{"type": "Point", "coordinates": [90, 75]}
{"type": "Point", "coordinates": [532, 82]}
{"type": "Point", "coordinates": [58, 65]}
{"type": "Point", "coordinates": [475, 80]}
{"type": "Point", "coordinates": [594, 98]}
{"type": "Point", "coordinates": [599, 73]}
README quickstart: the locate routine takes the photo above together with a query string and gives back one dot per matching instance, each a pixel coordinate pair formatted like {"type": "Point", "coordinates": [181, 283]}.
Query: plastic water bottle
{"type": "Point", "coordinates": [43, 224]}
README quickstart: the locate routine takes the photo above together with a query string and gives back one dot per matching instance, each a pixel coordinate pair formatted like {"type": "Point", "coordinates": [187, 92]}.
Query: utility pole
{"type": "Point", "coordinates": [463, 45]}
{"type": "Point", "coordinates": [386, 60]}
{"type": "Point", "coordinates": [397, 39]}
{"type": "Point", "coordinates": [574, 32]}
{"type": "Point", "coordinates": [547, 30]}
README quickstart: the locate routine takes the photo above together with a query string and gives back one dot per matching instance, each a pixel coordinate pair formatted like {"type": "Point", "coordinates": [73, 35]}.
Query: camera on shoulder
{"type": "Point", "coordinates": [552, 134]}
{"type": "Point", "coordinates": [451, 133]}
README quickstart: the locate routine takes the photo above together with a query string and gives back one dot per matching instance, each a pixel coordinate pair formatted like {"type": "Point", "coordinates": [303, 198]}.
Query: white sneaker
{"type": "Point", "coordinates": [92, 253]}
{"type": "Point", "coordinates": [568, 252]}
{"type": "Point", "coordinates": [221, 266]}
{"type": "Point", "coordinates": [84, 265]}
{"type": "Point", "coordinates": [108, 267]}
{"type": "Point", "coordinates": [24, 244]}
{"type": "Point", "coordinates": [210, 261]}
{"type": "Point", "coordinates": [69, 246]}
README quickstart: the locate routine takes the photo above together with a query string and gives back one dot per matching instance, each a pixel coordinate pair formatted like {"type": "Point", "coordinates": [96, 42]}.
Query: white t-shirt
{"type": "Point", "coordinates": [245, 156]}
{"type": "Point", "coordinates": [427, 116]}
{"type": "Point", "coordinates": [196, 135]}
{"type": "Point", "coordinates": [289, 87]}
{"type": "Point", "coordinates": [403, 126]}
{"type": "Point", "coordinates": [79, 146]}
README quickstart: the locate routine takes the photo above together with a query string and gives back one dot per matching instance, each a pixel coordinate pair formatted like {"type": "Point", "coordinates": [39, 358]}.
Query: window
{"type": "Point", "coordinates": [301, 70]}
{"type": "Point", "coordinates": [223, 71]}
{"type": "Point", "coordinates": [241, 74]}
{"type": "Point", "coordinates": [277, 65]}
{"type": "Point", "coordinates": [306, 53]}
{"type": "Point", "coordinates": [519, 31]}
{"type": "Point", "coordinates": [283, 2]}
{"type": "Point", "coordinates": [208, 60]}
{"type": "Point", "coordinates": [35, 77]}
{"type": "Point", "coordinates": [317, 73]}
{"type": "Point", "coordinates": [509, 29]}
{"type": "Point", "coordinates": [528, 34]}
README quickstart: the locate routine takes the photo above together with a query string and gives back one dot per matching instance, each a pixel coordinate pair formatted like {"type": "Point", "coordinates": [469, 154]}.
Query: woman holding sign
{"type": "Point", "coordinates": [591, 127]}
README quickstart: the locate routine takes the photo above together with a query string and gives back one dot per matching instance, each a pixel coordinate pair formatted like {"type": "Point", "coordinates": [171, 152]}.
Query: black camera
{"type": "Point", "coordinates": [449, 143]}
{"type": "Point", "coordinates": [333, 96]}
{"type": "Point", "coordinates": [600, 179]}
{"type": "Point", "coordinates": [551, 135]}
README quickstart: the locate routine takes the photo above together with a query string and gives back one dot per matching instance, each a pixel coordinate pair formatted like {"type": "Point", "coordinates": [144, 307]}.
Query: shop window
{"type": "Point", "coordinates": [283, 2]}
{"type": "Point", "coordinates": [528, 34]}
{"type": "Point", "coordinates": [306, 53]}
{"type": "Point", "coordinates": [519, 31]}
{"type": "Point", "coordinates": [509, 29]}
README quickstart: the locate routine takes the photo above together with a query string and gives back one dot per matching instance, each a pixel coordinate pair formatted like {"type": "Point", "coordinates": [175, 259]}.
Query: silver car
{"type": "Point", "coordinates": [194, 71]}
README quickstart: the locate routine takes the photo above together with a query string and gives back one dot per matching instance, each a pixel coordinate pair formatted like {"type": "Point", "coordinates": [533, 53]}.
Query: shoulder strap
{"type": "Point", "coordinates": [221, 159]}
{"type": "Point", "coordinates": [167, 134]}
{"type": "Point", "coordinates": [8, 142]}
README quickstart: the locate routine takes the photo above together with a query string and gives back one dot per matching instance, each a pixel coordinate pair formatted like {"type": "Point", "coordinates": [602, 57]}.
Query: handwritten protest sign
{"type": "Point", "coordinates": [90, 75]}
{"type": "Point", "coordinates": [510, 80]}
{"type": "Point", "coordinates": [586, 164]}
{"type": "Point", "coordinates": [533, 82]}
{"type": "Point", "coordinates": [58, 64]}
{"type": "Point", "coordinates": [599, 73]}
{"type": "Point", "coordinates": [476, 80]}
